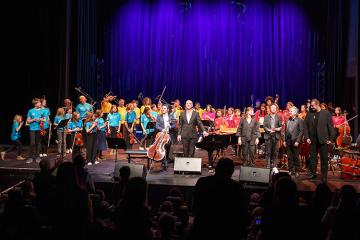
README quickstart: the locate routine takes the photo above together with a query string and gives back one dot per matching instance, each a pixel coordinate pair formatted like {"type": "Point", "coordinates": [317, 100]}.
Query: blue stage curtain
{"type": "Point", "coordinates": [217, 52]}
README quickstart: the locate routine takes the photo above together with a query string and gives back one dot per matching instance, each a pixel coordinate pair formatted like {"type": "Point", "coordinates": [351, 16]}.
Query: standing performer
{"type": "Point", "coordinates": [75, 126]}
{"type": "Point", "coordinates": [15, 138]}
{"type": "Point", "coordinates": [146, 102]}
{"type": "Point", "coordinates": [46, 131]}
{"type": "Point", "coordinates": [248, 137]}
{"type": "Point", "coordinates": [101, 134]}
{"type": "Point", "coordinates": [189, 120]}
{"type": "Point", "coordinates": [148, 134]}
{"type": "Point", "coordinates": [272, 127]}
{"type": "Point", "coordinates": [105, 104]}
{"type": "Point", "coordinates": [34, 117]}
{"type": "Point", "coordinates": [114, 119]}
{"type": "Point", "coordinates": [68, 115]}
{"type": "Point", "coordinates": [229, 119]}
{"type": "Point", "coordinates": [167, 121]}
{"type": "Point", "coordinates": [303, 112]}
{"type": "Point", "coordinates": [198, 109]}
{"type": "Point", "coordinates": [91, 149]}
{"type": "Point", "coordinates": [130, 118]}
{"type": "Point", "coordinates": [61, 142]}
{"type": "Point", "coordinates": [293, 135]}
{"type": "Point", "coordinates": [122, 109]}
{"type": "Point", "coordinates": [83, 107]}
{"type": "Point", "coordinates": [319, 132]}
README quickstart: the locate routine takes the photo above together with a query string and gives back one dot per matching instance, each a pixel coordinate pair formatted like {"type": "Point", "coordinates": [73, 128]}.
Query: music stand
{"type": "Point", "coordinates": [116, 143]}
{"type": "Point", "coordinates": [63, 124]}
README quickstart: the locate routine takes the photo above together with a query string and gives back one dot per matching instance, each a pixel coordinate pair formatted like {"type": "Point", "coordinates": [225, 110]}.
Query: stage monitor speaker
{"type": "Point", "coordinates": [136, 170]}
{"type": "Point", "coordinates": [184, 165]}
{"type": "Point", "coordinates": [254, 175]}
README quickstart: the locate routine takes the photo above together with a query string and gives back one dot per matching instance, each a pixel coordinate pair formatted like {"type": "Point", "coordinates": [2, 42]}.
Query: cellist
{"type": "Point", "coordinates": [167, 121]}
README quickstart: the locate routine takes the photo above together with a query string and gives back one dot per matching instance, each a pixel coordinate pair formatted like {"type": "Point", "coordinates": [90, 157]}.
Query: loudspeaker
{"type": "Point", "coordinates": [183, 165]}
{"type": "Point", "coordinates": [254, 175]}
{"type": "Point", "coordinates": [136, 170]}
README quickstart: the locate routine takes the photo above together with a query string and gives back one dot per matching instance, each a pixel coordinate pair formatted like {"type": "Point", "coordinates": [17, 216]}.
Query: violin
{"type": "Point", "coordinates": [132, 139]}
{"type": "Point", "coordinates": [79, 141]}
{"type": "Point", "coordinates": [42, 129]}
{"type": "Point", "coordinates": [157, 150]}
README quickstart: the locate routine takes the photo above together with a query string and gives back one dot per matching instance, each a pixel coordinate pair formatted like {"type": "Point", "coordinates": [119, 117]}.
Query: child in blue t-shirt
{"type": "Point", "coordinates": [61, 142]}
{"type": "Point", "coordinates": [44, 137]}
{"type": "Point", "coordinates": [68, 115]}
{"type": "Point", "coordinates": [34, 117]}
{"type": "Point", "coordinates": [101, 134]}
{"type": "Point", "coordinates": [15, 138]}
{"type": "Point", "coordinates": [130, 124]}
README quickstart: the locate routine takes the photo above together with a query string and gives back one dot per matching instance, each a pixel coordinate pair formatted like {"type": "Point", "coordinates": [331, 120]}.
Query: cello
{"type": "Point", "coordinates": [157, 150]}
{"type": "Point", "coordinates": [344, 139]}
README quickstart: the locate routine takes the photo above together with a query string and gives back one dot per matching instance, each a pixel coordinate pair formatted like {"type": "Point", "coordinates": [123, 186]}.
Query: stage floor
{"type": "Point", "coordinates": [12, 170]}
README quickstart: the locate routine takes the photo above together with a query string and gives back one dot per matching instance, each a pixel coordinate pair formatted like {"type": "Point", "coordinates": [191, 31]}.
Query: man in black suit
{"type": "Point", "coordinates": [248, 133]}
{"type": "Point", "coordinates": [272, 127]}
{"type": "Point", "coordinates": [319, 132]}
{"type": "Point", "coordinates": [293, 135]}
{"type": "Point", "coordinates": [188, 121]}
{"type": "Point", "coordinates": [166, 122]}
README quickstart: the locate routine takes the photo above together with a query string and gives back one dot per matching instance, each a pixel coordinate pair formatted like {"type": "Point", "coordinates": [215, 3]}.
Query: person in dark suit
{"type": "Point", "coordinates": [166, 122]}
{"type": "Point", "coordinates": [293, 135]}
{"type": "Point", "coordinates": [319, 133]}
{"type": "Point", "coordinates": [188, 121]}
{"type": "Point", "coordinates": [248, 133]}
{"type": "Point", "coordinates": [272, 127]}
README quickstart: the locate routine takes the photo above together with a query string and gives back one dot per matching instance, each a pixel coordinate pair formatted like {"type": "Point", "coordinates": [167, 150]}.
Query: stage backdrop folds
{"type": "Point", "coordinates": [217, 52]}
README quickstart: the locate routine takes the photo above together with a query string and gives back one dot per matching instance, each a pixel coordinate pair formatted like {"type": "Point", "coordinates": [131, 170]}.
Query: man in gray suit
{"type": "Point", "coordinates": [188, 121]}
{"type": "Point", "coordinates": [293, 136]}
{"type": "Point", "coordinates": [272, 127]}
{"type": "Point", "coordinates": [248, 133]}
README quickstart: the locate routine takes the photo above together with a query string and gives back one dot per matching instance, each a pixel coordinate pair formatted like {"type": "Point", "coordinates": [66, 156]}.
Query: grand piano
{"type": "Point", "coordinates": [217, 140]}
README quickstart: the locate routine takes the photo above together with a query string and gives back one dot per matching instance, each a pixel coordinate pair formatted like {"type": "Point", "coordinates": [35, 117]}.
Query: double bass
{"type": "Point", "coordinates": [157, 150]}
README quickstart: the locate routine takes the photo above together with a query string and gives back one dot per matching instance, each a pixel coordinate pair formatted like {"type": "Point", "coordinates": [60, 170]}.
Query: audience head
{"type": "Point", "coordinates": [166, 224]}
{"type": "Point", "coordinates": [286, 192]}
{"type": "Point", "coordinates": [124, 173]}
{"type": "Point", "coordinates": [44, 165]}
{"type": "Point", "coordinates": [224, 168]}
{"type": "Point", "coordinates": [348, 197]}
{"type": "Point", "coordinates": [79, 161]}
{"type": "Point", "coordinates": [66, 177]}
{"type": "Point", "coordinates": [135, 192]}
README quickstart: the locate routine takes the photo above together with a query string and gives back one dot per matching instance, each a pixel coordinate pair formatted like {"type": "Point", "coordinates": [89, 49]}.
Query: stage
{"type": "Point", "coordinates": [13, 171]}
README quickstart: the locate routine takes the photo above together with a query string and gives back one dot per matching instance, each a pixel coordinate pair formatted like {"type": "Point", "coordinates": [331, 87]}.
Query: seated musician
{"type": "Point", "coordinates": [219, 121]}
{"type": "Point", "coordinates": [208, 114]}
{"type": "Point", "coordinates": [166, 121]}
{"type": "Point", "coordinates": [229, 119]}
